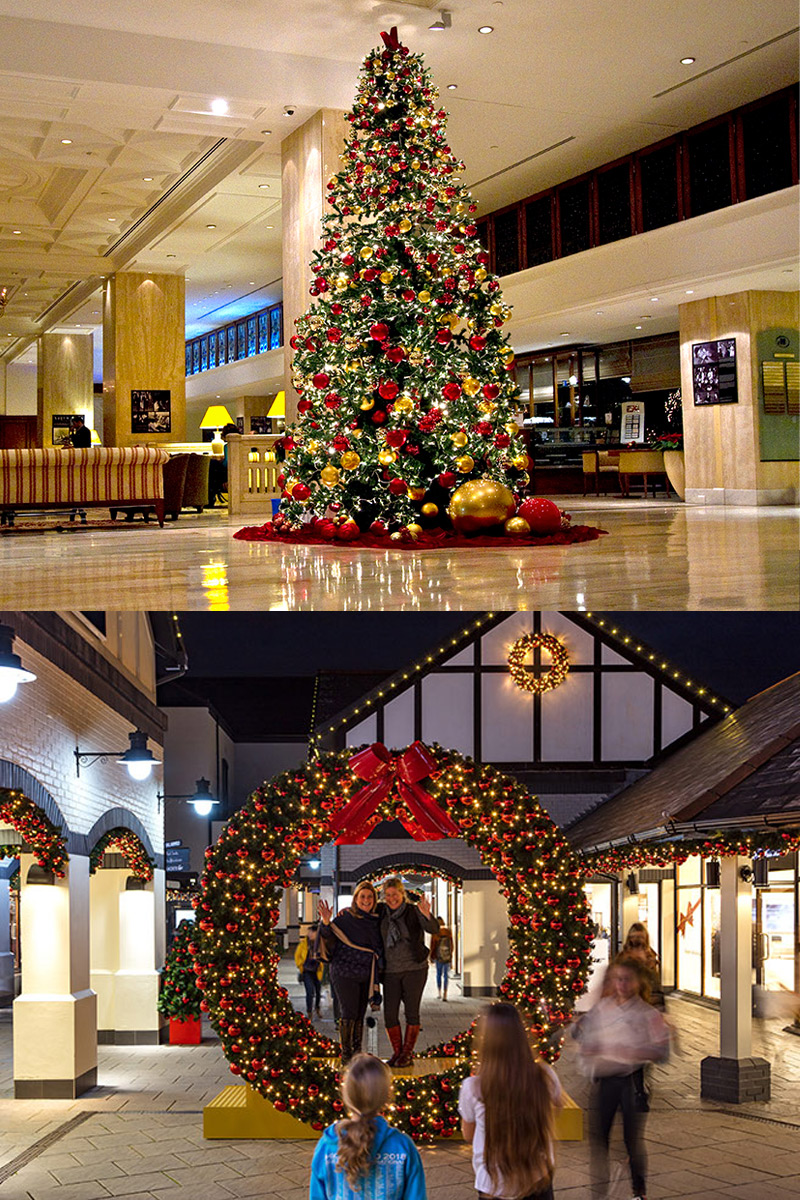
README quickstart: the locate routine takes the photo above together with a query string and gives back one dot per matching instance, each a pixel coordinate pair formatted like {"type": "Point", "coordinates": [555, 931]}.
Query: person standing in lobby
{"type": "Point", "coordinates": [403, 926]}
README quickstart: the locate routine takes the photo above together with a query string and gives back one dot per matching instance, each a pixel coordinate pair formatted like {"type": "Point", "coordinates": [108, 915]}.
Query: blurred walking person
{"type": "Point", "coordinates": [506, 1111]}
{"type": "Point", "coordinates": [442, 956]}
{"type": "Point", "coordinates": [618, 1036]}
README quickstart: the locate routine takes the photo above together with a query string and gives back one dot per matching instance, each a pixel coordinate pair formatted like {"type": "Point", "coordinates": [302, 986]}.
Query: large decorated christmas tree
{"type": "Point", "coordinates": [406, 380]}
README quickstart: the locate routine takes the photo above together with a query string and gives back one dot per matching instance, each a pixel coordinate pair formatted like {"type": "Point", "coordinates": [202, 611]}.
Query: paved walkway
{"type": "Point", "coordinates": [139, 1133]}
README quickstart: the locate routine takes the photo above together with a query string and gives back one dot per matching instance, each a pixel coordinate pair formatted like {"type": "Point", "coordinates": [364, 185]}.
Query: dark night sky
{"type": "Point", "coordinates": [736, 654]}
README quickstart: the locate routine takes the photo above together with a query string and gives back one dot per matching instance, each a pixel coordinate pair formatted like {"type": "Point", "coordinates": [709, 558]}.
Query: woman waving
{"type": "Point", "coordinates": [353, 943]}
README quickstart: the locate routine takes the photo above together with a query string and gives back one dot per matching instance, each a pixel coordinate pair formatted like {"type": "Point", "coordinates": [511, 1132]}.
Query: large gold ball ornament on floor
{"type": "Point", "coordinates": [517, 527]}
{"type": "Point", "coordinates": [480, 504]}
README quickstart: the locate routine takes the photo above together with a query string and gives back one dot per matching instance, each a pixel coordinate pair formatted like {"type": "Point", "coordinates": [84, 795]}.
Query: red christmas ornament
{"type": "Point", "coordinates": [396, 438]}
{"type": "Point", "coordinates": [542, 515]}
{"type": "Point", "coordinates": [477, 342]}
{"type": "Point", "coordinates": [321, 380]}
{"type": "Point", "coordinates": [444, 336]}
{"type": "Point", "coordinates": [395, 354]}
{"type": "Point", "coordinates": [398, 487]}
{"type": "Point", "coordinates": [491, 391]}
{"type": "Point", "coordinates": [334, 335]}
{"type": "Point", "coordinates": [348, 531]}
{"type": "Point", "coordinates": [387, 389]}
{"type": "Point", "coordinates": [377, 528]}
{"type": "Point", "coordinates": [451, 391]}
{"type": "Point", "coordinates": [447, 479]}
{"type": "Point", "coordinates": [379, 332]}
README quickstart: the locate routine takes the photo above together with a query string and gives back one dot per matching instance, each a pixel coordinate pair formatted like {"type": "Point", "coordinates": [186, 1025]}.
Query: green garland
{"type": "Point", "coordinates": [721, 844]}
{"type": "Point", "coordinates": [44, 839]}
{"type": "Point", "coordinates": [274, 1047]}
{"type": "Point", "coordinates": [129, 846]}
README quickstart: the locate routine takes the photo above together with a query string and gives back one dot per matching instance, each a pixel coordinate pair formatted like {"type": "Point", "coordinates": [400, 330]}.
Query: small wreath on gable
{"type": "Point", "coordinates": [126, 843]}
{"type": "Point", "coordinates": [435, 793]}
{"type": "Point", "coordinates": [42, 838]}
{"type": "Point", "coordinates": [530, 681]}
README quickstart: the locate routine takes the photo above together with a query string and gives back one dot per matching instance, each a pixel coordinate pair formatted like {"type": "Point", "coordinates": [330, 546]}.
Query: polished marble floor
{"type": "Point", "coordinates": [657, 555]}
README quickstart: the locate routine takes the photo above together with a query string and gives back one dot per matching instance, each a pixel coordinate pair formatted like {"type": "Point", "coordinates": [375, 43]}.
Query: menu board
{"type": "Point", "coordinates": [714, 372]}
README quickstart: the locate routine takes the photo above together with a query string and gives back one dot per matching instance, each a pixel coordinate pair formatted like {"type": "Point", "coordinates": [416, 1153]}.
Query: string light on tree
{"type": "Point", "coordinates": [537, 682]}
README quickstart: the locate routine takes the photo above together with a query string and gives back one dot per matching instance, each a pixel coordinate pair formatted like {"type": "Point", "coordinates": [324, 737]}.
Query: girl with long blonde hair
{"type": "Point", "coordinates": [362, 1156]}
{"type": "Point", "coordinates": [506, 1111]}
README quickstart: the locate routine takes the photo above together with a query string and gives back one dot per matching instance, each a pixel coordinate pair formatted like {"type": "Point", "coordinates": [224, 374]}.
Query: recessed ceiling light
{"type": "Point", "coordinates": [211, 227]}
{"type": "Point", "coordinates": [637, 327]}
{"type": "Point", "coordinates": [646, 317]}
{"type": "Point", "coordinates": [486, 29]}
{"type": "Point", "coordinates": [147, 178]}
{"type": "Point", "coordinates": [66, 141]}
{"type": "Point", "coordinates": [654, 299]}
{"type": "Point", "coordinates": [266, 132]}
{"type": "Point", "coordinates": [16, 231]}
{"type": "Point", "coordinates": [451, 87]}
{"type": "Point", "coordinates": [95, 312]}
{"type": "Point", "coordinates": [252, 283]}
{"type": "Point", "coordinates": [79, 327]}
{"type": "Point", "coordinates": [687, 62]}
{"type": "Point", "coordinates": [690, 291]}
{"type": "Point", "coordinates": [566, 333]}
{"type": "Point", "coordinates": [263, 185]}
{"type": "Point", "coordinates": [111, 218]}
{"type": "Point", "coordinates": [269, 226]}
{"type": "Point", "coordinates": [219, 107]}
{"type": "Point", "coordinates": [599, 312]}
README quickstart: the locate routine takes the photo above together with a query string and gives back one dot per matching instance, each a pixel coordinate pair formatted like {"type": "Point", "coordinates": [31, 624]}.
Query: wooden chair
{"type": "Point", "coordinates": [598, 463]}
{"type": "Point", "coordinates": [647, 463]}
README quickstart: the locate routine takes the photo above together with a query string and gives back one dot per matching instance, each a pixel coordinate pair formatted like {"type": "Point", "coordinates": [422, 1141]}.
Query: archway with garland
{"type": "Point", "coordinates": [129, 845]}
{"type": "Point", "coordinates": [436, 793]}
{"type": "Point", "coordinates": [42, 838]}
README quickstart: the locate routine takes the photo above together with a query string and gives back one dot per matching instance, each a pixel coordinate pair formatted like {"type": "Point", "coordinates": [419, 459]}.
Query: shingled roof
{"type": "Point", "coordinates": [744, 768]}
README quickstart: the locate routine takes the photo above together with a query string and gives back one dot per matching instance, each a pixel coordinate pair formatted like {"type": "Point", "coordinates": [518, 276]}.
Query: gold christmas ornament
{"type": "Point", "coordinates": [313, 446]}
{"type": "Point", "coordinates": [342, 284]}
{"type": "Point", "coordinates": [480, 275]}
{"type": "Point", "coordinates": [520, 461]}
{"type": "Point", "coordinates": [470, 386]}
{"type": "Point", "coordinates": [424, 297]}
{"type": "Point", "coordinates": [350, 460]}
{"type": "Point", "coordinates": [405, 225]}
{"type": "Point", "coordinates": [329, 476]}
{"type": "Point", "coordinates": [404, 404]}
{"type": "Point", "coordinates": [517, 527]}
{"type": "Point", "coordinates": [356, 433]}
{"type": "Point", "coordinates": [430, 509]}
{"type": "Point", "coordinates": [387, 457]}
{"type": "Point", "coordinates": [512, 428]}
{"type": "Point", "coordinates": [413, 530]}
{"type": "Point", "coordinates": [365, 252]}
{"type": "Point", "coordinates": [416, 493]}
{"type": "Point", "coordinates": [416, 358]}
{"type": "Point", "coordinates": [495, 309]}
{"type": "Point", "coordinates": [487, 406]}
{"type": "Point", "coordinates": [465, 464]}
{"type": "Point", "coordinates": [480, 504]}
{"type": "Point", "coordinates": [397, 536]}
{"type": "Point", "coordinates": [367, 404]}
{"type": "Point", "coordinates": [459, 439]}
{"type": "Point", "coordinates": [386, 277]}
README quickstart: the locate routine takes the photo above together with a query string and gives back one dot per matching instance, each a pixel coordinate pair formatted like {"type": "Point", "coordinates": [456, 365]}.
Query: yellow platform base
{"type": "Point", "coordinates": [240, 1112]}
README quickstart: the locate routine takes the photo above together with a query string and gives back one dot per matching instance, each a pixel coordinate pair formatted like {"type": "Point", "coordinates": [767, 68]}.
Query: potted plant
{"type": "Point", "coordinates": [671, 443]}
{"type": "Point", "coordinates": [180, 996]}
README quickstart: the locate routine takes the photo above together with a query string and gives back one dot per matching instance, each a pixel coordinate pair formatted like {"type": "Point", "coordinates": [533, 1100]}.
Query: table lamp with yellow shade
{"type": "Point", "coordinates": [277, 411]}
{"type": "Point", "coordinates": [217, 416]}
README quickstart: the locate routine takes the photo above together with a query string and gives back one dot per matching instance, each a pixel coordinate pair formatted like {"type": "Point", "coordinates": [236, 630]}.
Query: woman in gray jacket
{"type": "Point", "coordinates": [403, 925]}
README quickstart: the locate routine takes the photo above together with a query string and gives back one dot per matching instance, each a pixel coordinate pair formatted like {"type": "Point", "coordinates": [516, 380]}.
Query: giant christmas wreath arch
{"type": "Point", "coordinates": [435, 792]}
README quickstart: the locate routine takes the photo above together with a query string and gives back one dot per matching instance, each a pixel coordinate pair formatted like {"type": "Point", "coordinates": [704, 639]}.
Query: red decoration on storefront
{"type": "Point", "coordinates": [425, 821]}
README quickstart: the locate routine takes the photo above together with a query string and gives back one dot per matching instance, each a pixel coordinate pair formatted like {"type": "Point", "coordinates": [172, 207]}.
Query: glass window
{"type": "Point", "coordinates": [232, 343]}
{"type": "Point", "coordinates": [241, 340]}
{"type": "Point", "coordinates": [614, 204]}
{"type": "Point", "coordinates": [542, 385]}
{"type": "Point", "coordinates": [690, 940]}
{"type": "Point", "coordinates": [275, 315]}
{"type": "Point", "coordinates": [598, 897]}
{"type": "Point", "coordinates": [658, 180]}
{"type": "Point", "coordinates": [222, 342]}
{"type": "Point", "coordinates": [188, 358]}
{"type": "Point", "coordinates": [711, 925]}
{"type": "Point", "coordinates": [709, 169]}
{"type": "Point", "coordinates": [539, 231]}
{"type": "Point", "coordinates": [506, 242]}
{"type": "Point", "coordinates": [212, 350]}
{"type": "Point", "coordinates": [767, 147]}
{"type": "Point", "coordinates": [690, 872]}
{"type": "Point", "coordinates": [204, 354]}
{"type": "Point", "coordinates": [573, 203]}
{"type": "Point", "coordinates": [263, 332]}
{"type": "Point", "coordinates": [195, 357]}
{"type": "Point", "coordinates": [252, 333]}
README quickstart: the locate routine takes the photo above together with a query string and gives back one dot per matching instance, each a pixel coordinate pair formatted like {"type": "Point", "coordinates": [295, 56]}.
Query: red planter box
{"type": "Point", "coordinates": [185, 1033]}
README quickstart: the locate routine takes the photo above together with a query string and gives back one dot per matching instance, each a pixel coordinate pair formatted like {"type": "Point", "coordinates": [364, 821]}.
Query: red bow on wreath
{"type": "Point", "coordinates": [424, 820]}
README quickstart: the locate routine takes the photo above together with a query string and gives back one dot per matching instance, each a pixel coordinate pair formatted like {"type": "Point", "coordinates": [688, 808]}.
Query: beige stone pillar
{"type": "Point", "coordinates": [144, 325]}
{"type": "Point", "coordinates": [310, 157]}
{"type": "Point", "coordinates": [104, 889]}
{"type": "Point", "coordinates": [65, 381]}
{"type": "Point", "coordinates": [484, 934]}
{"type": "Point", "coordinates": [722, 442]}
{"type": "Point", "coordinates": [55, 1017]}
{"type": "Point", "coordinates": [137, 1020]}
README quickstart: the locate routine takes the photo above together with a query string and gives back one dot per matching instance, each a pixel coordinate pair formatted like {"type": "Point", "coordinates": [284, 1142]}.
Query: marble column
{"type": "Point", "coordinates": [310, 157]}
{"type": "Point", "coordinates": [65, 381]}
{"type": "Point", "coordinates": [734, 1076]}
{"type": "Point", "coordinates": [743, 452]}
{"type": "Point", "coordinates": [55, 1016]}
{"type": "Point", "coordinates": [144, 326]}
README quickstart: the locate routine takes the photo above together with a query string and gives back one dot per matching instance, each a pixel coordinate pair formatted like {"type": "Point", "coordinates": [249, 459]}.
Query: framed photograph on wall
{"type": "Point", "coordinates": [151, 411]}
{"type": "Point", "coordinates": [714, 372]}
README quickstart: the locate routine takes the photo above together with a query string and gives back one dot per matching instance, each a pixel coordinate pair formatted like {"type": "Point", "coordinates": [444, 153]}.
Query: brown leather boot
{"type": "Point", "coordinates": [346, 1038]}
{"type": "Point", "coordinates": [395, 1035]}
{"type": "Point", "coordinates": [407, 1055]}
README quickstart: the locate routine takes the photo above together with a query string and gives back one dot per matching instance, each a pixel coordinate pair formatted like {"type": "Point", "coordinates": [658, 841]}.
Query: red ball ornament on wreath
{"type": "Point", "coordinates": [398, 487]}
{"type": "Point", "coordinates": [379, 332]}
{"type": "Point", "coordinates": [321, 380]}
{"type": "Point", "coordinates": [451, 391]}
{"type": "Point", "coordinates": [542, 516]}
{"type": "Point", "coordinates": [388, 389]}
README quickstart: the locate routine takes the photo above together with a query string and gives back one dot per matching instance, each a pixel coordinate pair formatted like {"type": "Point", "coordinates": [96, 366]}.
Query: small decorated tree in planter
{"type": "Point", "coordinates": [180, 996]}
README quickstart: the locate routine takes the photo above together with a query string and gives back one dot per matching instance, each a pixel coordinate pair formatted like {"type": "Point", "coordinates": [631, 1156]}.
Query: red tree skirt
{"type": "Point", "coordinates": [435, 539]}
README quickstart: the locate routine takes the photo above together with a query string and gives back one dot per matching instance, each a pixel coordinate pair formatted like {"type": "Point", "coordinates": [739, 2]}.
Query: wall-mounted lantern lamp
{"type": "Point", "coordinates": [201, 799]}
{"type": "Point", "coordinates": [137, 758]}
{"type": "Point", "coordinates": [12, 672]}
{"type": "Point", "coordinates": [632, 884]}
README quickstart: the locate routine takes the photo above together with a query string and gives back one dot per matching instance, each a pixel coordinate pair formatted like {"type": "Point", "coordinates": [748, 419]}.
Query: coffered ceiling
{"type": "Point", "coordinates": [111, 156]}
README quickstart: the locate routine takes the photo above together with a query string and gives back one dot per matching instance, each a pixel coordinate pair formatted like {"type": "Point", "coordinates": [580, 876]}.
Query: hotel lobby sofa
{"type": "Point", "coordinates": [101, 476]}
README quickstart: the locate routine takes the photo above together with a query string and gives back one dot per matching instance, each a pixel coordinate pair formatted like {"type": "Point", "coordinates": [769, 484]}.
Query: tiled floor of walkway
{"type": "Point", "coordinates": [139, 1134]}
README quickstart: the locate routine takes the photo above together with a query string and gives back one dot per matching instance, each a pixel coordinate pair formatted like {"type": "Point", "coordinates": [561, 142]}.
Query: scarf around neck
{"type": "Point", "coordinates": [397, 930]}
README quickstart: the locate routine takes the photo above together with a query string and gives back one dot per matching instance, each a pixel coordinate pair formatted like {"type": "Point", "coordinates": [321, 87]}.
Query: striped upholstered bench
{"type": "Point", "coordinates": [101, 476]}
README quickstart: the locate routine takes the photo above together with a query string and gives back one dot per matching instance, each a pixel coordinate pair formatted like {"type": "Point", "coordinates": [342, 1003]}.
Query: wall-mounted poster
{"type": "Point", "coordinates": [150, 411]}
{"type": "Point", "coordinates": [632, 421]}
{"type": "Point", "coordinates": [714, 372]}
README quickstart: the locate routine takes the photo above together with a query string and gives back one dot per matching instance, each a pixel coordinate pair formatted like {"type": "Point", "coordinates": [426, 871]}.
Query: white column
{"type": "Point", "coordinates": [137, 1019]}
{"type": "Point", "coordinates": [55, 1017]}
{"type": "Point", "coordinates": [484, 937]}
{"type": "Point", "coordinates": [104, 889]}
{"type": "Point", "coordinates": [668, 932]}
{"type": "Point", "coordinates": [736, 950]}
